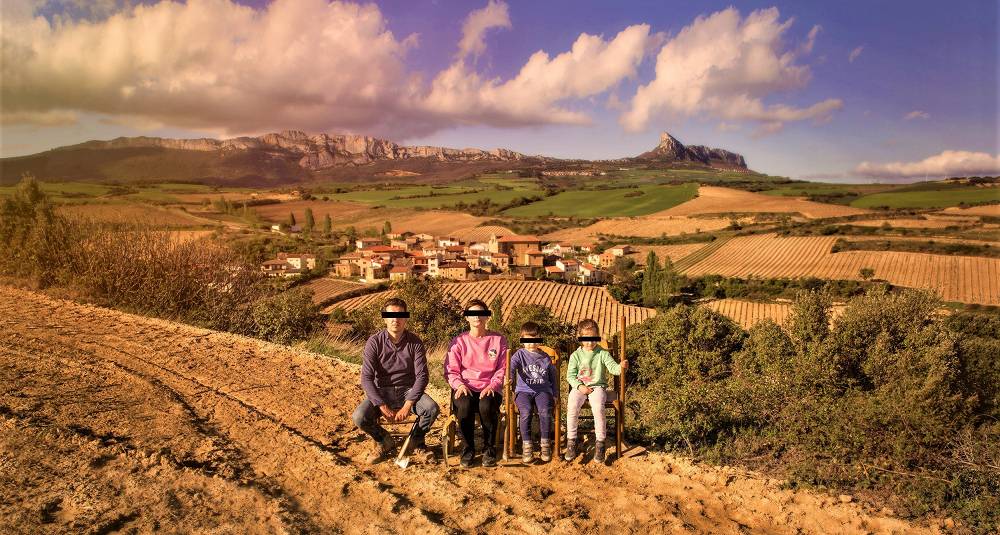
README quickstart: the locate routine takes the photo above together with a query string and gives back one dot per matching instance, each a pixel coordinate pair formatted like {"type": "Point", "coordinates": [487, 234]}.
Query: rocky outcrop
{"type": "Point", "coordinates": [670, 149]}
{"type": "Point", "coordinates": [314, 152]}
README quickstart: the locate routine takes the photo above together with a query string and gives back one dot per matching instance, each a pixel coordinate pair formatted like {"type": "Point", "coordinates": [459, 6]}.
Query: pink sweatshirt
{"type": "Point", "coordinates": [476, 362]}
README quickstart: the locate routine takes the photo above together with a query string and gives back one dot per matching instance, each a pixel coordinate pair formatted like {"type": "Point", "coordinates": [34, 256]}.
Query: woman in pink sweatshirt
{"type": "Point", "coordinates": [475, 367]}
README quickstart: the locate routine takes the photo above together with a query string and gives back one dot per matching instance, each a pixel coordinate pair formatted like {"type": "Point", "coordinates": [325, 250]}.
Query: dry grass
{"type": "Point", "coordinates": [139, 214]}
{"type": "Point", "coordinates": [327, 288]}
{"type": "Point", "coordinates": [673, 252]}
{"type": "Point", "coordinates": [748, 313]}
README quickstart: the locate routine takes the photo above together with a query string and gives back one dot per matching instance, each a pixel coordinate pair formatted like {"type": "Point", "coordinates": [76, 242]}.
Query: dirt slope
{"type": "Point", "coordinates": [111, 422]}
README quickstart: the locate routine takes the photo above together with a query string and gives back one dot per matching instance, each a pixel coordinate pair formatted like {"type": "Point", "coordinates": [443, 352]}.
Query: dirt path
{"type": "Point", "coordinates": [112, 422]}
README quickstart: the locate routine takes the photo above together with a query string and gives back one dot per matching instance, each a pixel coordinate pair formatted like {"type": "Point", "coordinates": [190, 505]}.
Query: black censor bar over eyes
{"type": "Point", "coordinates": [529, 340]}
{"type": "Point", "coordinates": [588, 338]}
{"type": "Point", "coordinates": [386, 314]}
{"type": "Point", "coordinates": [471, 313]}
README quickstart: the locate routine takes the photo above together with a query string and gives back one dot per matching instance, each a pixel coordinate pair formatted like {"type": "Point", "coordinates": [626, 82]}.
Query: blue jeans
{"type": "Point", "coordinates": [366, 415]}
{"type": "Point", "coordinates": [542, 402]}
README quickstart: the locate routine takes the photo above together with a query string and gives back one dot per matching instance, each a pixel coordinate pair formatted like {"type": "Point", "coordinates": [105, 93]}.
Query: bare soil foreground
{"type": "Point", "coordinates": [117, 423]}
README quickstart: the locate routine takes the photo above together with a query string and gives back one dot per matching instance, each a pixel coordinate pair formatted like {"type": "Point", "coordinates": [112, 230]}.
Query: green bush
{"type": "Point", "coordinates": [435, 316]}
{"type": "Point", "coordinates": [287, 317]}
{"type": "Point", "coordinates": [891, 397]}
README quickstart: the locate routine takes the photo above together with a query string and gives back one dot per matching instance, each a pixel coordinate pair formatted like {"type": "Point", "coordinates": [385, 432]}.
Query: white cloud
{"type": "Point", "coordinates": [724, 66]}
{"type": "Point", "coordinates": [948, 163]}
{"type": "Point", "coordinates": [591, 67]}
{"type": "Point", "coordinates": [494, 15]}
{"type": "Point", "coordinates": [40, 118]}
{"type": "Point", "coordinates": [855, 53]}
{"type": "Point", "coordinates": [728, 127]}
{"type": "Point", "coordinates": [306, 64]}
{"type": "Point", "coordinates": [916, 114]}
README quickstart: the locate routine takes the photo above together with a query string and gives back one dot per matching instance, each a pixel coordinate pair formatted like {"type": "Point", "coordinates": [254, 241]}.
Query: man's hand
{"type": "Point", "coordinates": [402, 413]}
{"type": "Point", "coordinates": [586, 390]}
{"type": "Point", "coordinates": [387, 412]}
{"type": "Point", "coordinates": [461, 391]}
{"type": "Point", "coordinates": [488, 391]}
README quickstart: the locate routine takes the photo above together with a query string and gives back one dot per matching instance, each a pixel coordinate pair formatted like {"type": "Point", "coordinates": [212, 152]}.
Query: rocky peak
{"type": "Point", "coordinates": [671, 149]}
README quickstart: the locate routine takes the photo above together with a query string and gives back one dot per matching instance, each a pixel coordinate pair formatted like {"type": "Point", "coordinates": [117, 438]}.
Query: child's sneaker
{"type": "Point", "coordinates": [526, 455]}
{"type": "Point", "coordinates": [599, 451]}
{"type": "Point", "coordinates": [546, 453]}
{"type": "Point", "coordinates": [489, 459]}
{"type": "Point", "coordinates": [570, 450]}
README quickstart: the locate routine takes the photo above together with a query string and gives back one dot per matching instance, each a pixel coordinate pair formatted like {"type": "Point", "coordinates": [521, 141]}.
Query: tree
{"type": "Point", "coordinates": [651, 281]}
{"type": "Point", "coordinates": [496, 320]}
{"type": "Point", "coordinates": [291, 219]}
{"type": "Point", "coordinates": [386, 228]}
{"type": "Point", "coordinates": [310, 220]}
{"type": "Point", "coordinates": [327, 225]}
{"type": "Point", "coordinates": [866, 273]}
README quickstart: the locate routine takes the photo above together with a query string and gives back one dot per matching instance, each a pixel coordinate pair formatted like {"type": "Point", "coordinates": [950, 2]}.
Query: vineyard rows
{"type": "Point", "coordinates": [956, 278]}
{"type": "Point", "coordinates": [325, 288]}
{"type": "Point", "coordinates": [747, 313]}
{"type": "Point", "coordinates": [570, 303]}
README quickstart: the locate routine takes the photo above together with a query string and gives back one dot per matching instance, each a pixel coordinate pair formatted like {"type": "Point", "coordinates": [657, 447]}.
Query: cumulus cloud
{"type": "Point", "coordinates": [308, 64]}
{"type": "Point", "coordinates": [591, 66]}
{"type": "Point", "coordinates": [946, 164]}
{"type": "Point", "coordinates": [494, 15]}
{"type": "Point", "coordinates": [855, 53]}
{"type": "Point", "coordinates": [724, 66]}
{"type": "Point", "coordinates": [916, 114]}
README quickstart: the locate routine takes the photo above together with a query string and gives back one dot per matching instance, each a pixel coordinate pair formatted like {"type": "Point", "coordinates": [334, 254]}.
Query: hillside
{"type": "Point", "coordinates": [291, 157]}
{"type": "Point", "coordinates": [111, 422]}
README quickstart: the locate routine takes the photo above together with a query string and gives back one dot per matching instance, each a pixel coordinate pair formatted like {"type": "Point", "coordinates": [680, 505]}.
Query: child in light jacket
{"type": "Point", "coordinates": [587, 376]}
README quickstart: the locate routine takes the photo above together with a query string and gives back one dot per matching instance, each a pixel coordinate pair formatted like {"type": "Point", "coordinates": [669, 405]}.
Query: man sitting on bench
{"type": "Point", "coordinates": [394, 376]}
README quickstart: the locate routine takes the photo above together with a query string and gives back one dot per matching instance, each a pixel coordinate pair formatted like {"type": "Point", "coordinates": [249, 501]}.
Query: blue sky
{"type": "Point", "coordinates": [870, 90]}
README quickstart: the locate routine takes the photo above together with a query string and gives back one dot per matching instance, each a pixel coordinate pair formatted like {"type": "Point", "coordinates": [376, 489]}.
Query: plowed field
{"type": "Point", "coordinates": [967, 279]}
{"type": "Point", "coordinates": [647, 227]}
{"type": "Point", "coordinates": [714, 200]}
{"type": "Point", "coordinates": [116, 423]}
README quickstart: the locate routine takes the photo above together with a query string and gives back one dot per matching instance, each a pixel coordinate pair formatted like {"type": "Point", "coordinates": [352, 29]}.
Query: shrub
{"type": "Point", "coordinates": [287, 317]}
{"type": "Point", "coordinates": [435, 316]}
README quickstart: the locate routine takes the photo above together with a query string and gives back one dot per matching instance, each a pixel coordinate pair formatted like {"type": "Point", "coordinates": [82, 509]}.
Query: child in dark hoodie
{"type": "Point", "coordinates": [534, 387]}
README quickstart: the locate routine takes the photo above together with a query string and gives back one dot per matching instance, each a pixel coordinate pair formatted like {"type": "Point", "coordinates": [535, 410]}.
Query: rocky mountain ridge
{"type": "Point", "coordinates": [317, 151]}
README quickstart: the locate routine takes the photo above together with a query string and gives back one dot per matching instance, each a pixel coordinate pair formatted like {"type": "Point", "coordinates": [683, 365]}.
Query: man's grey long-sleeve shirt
{"type": "Point", "coordinates": [387, 364]}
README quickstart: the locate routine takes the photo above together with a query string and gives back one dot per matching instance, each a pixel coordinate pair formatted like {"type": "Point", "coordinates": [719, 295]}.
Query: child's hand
{"type": "Point", "coordinates": [586, 389]}
{"type": "Point", "coordinates": [624, 364]}
{"type": "Point", "coordinates": [461, 391]}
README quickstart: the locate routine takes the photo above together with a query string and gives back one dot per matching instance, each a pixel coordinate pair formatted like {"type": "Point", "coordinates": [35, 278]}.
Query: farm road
{"type": "Point", "coordinates": [113, 422]}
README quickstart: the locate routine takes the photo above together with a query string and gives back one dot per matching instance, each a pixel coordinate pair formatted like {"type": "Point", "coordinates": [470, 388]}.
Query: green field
{"type": "Point", "coordinates": [806, 189]}
{"type": "Point", "coordinates": [929, 198]}
{"type": "Point", "coordinates": [609, 203]}
{"type": "Point", "coordinates": [66, 192]}
{"type": "Point", "coordinates": [469, 191]}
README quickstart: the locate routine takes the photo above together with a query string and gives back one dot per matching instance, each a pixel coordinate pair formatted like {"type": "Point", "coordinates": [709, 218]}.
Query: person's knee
{"type": "Point", "coordinates": [463, 406]}
{"type": "Point", "coordinates": [429, 408]}
{"type": "Point", "coordinates": [360, 414]}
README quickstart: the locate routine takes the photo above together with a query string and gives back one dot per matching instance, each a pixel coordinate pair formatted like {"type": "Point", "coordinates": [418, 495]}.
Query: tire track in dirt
{"type": "Point", "coordinates": [273, 423]}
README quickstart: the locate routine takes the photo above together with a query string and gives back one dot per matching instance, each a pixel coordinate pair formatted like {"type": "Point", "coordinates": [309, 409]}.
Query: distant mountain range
{"type": "Point", "coordinates": [293, 156]}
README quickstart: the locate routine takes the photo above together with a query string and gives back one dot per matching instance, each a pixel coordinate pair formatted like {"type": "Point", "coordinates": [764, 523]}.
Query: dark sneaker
{"type": "Point", "coordinates": [382, 450]}
{"type": "Point", "coordinates": [467, 458]}
{"type": "Point", "coordinates": [489, 459]}
{"type": "Point", "coordinates": [546, 452]}
{"type": "Point", "coordinates": [599, 455]}
{"type": "Point", "coordinates": [570, 450]}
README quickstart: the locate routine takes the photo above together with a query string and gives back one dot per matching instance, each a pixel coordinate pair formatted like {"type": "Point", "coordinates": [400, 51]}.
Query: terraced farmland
{"type": "Point", "coordinates": [570, 303]}
{"type": "Point", "coordinates": [956, 278]}
{"type": "Point", "coordinates": [327, 288]}
{"type": "Point", "coordinates": [674, 252]}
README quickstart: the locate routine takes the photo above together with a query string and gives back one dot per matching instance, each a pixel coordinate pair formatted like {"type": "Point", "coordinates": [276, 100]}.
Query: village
{"type": "Point", "coordinates": [400, 256]}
